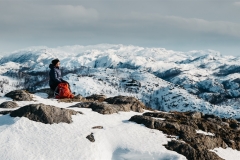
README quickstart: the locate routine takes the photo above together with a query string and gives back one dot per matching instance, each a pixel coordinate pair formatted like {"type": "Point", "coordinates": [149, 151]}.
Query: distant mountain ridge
{"type": "Point", "coordinates": [163, 79]}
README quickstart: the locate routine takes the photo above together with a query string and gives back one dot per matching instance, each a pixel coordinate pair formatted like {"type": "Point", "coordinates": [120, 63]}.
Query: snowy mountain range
{"type": "Point", "coordinates": [162, 79]}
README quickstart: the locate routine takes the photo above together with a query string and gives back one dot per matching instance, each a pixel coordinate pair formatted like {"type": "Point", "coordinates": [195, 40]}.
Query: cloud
{"type": "Point", "coordinates": [236, 3]}
{"type": "Point", "coordinates": [48, 15]}
{"type": "Point", "coordinates": [73, 13]}
{"type": "Point", "coordinates": [191, 24]}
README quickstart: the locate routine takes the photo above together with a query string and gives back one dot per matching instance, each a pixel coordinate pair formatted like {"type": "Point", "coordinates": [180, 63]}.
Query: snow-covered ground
{"type": "Point", "coordinates": [227, 154]}
{"type": "Point", "coordinates": [119, 139]}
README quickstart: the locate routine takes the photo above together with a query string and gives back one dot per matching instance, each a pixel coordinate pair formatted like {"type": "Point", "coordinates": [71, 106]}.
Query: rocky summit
{"type": "Point", "coordinates": [195, 133]}
{"type": "Point", "coordinates": [113, 105]}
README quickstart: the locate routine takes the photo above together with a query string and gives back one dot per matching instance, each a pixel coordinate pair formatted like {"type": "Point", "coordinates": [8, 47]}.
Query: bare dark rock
{"type": "Point", "coordinates": [182, 148]}
{"type": "Point", "coordinates": [97, 127]}
{"type": "Point", "coordinates": [115, 105]}
{"type": "Point", "coordinates": [209, 116]}
{"type": "Point", "coordinates": [77, 98]}
{"type": "Point", "coordinates": [81, 105]}
{"type": "Point", "coordinates": [129, 102]}
{"type": "Point", "coordinates": [184, 125]}
{"type": "Point", "coordinates": [44, 113]}
{"type": "Point", "coordinates": [146, 120]}
{"type": "Point", "coordinates": [9, 104]}
{"type": "Point", "coordinates": [121, 100]}
{"type": "Point", "coordinates": [20, 95]}
{"type": "Point", "coordinates": [104, 108]}
{"type": "Point", "coordinates": [158, 115]}
{"type": "Point", "coordinates": [191, 153]}
{"type": "Point", "coordinates": [91, 138]}
{"type": "Point", "coordinates": [234, 125]}
{"type": "Point", "coordinates": [96, 97]}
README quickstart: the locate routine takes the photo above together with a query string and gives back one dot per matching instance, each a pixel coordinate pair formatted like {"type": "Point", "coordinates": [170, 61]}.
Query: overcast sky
{"type": "Point", "coordinates": [180, 25]}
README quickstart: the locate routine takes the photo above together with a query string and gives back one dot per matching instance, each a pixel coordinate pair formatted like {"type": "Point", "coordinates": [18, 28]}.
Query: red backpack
{"type": "Point", "coordinates": [63, 91]}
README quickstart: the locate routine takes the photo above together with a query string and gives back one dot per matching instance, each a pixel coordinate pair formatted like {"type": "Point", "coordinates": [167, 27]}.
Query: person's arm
{"type": "Point", "coordinates": [56, 79]}
{"type": "Point", "coordinates": [64, 81]}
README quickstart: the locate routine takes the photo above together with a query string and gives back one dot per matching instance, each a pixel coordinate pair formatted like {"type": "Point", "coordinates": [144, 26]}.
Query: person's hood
{"type": "Point", "coordinates": [51, 66]}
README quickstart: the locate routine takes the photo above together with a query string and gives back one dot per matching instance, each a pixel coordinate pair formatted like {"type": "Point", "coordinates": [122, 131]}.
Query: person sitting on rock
{"type": "Point", "coordinates": [55, 74]}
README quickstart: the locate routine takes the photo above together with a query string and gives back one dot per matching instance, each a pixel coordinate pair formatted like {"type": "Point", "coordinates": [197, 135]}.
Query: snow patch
{"type": "Point", "coordinates": [227, 154]}
{"type": "Point", "coordinates": [205, 133]}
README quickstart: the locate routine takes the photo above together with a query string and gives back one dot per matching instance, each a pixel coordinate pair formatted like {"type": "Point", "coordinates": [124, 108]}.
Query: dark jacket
{"type": "Point", "coordinates": [55, 77]}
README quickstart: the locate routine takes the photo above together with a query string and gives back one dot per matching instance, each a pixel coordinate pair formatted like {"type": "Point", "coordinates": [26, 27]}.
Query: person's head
{"type": "Point", "coordinates": [56, 62]}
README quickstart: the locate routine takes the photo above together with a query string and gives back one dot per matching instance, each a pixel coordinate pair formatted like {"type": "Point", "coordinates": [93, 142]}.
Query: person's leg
{"type": "Point", "coordinates": [53, 87]}
{"type": "Point", "coordinates": [53, 92]}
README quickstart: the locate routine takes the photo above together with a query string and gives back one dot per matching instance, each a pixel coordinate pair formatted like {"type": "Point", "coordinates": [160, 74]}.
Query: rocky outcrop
{"type": "Point", "coordinates": [189, 152]}
{"type": "Point", "coordinates": [114, 105]}
{"type": "Point", "coordinates": [44, 113]}
{"type": "Point", "coordinates": [9, 104]}
{"type": "Point", "coordinates": [105, 108]}
{"type": "Point", "coordinates": [20, 95]}
{"type": "Point", "coordinates": [82, 105]}
{"type": "Point", "coordinates": [196, 146]}
{"type": "Point", "coordinates": [96, 97]}
{"type": "Point", "coordinates": [129, 102]}
{"type": "Point", "coordinates": [77, 98]}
